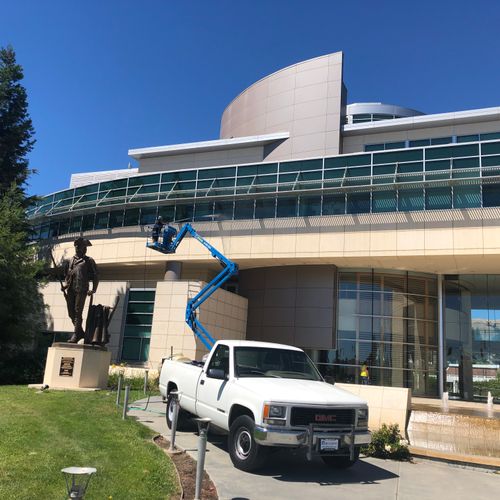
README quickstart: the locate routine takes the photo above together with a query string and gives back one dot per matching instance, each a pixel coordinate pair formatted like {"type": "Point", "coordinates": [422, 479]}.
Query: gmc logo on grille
{"type": "Point", "coordinates": [325, 418]}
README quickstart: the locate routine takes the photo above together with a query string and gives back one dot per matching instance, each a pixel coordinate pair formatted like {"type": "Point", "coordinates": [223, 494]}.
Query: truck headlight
{"type": "Point", "coordinates": [274, 414]}
{"type": "Point", "coordinates": [362, 414]}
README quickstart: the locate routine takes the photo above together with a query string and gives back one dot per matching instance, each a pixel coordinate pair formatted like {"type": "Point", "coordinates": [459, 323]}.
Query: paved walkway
{"type": "Point", "coordinates": [288, 476]}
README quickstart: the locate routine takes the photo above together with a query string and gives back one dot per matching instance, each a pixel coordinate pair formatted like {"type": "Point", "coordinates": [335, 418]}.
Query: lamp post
{"type": "Point", "coordinates": [77, 480]}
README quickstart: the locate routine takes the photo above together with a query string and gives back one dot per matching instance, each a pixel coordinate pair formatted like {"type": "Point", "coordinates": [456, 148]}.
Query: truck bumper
{"type": "Point", "coordinates": [308, 437]}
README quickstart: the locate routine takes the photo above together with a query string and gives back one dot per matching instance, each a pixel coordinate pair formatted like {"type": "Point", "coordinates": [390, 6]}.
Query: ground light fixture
{"type": "Point", "coordinates": [77, 480]}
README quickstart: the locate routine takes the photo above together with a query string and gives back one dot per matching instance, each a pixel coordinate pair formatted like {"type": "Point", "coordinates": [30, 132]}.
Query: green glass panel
{"type": "Point", "coordinates": [139, 319]}
{"type": "Point", "coordinates": [411, 167]}
{"type": "Point", "coordinates": [432, 166]}
{"type": "Point", "coordinates": [140, 331]}
{"type": "Point", "coordinates": [265, 208]}
{"type": "Point", "coordinates": [140, 307]}
{"type": "Point", "coordinates": [101, 220]}
{"type": "Point", "coordinates": [184, 213]}
{"type": "Point", "coordinates": [117, 184]}
{"type": "Point", "coordinates": [348, 161]}
{"type": "Point", "coordinates": [466, 196]}
{"type": "Point", "coordinates": [467, 138]}
{"type": "Point", "coordinates": [419, 143]}
{"type": "Point", "coordinates": [86, 189]}
{"type": "Point", "coordinates": [148, 189]}
{"type": "Point", "coordinates": [116, 218]}
{"type": "Point", "coordinates": [358, 172]}
{"type": "Point", "coordinates": [203, 211]}
{"type": "Point", "coordinates": [466, 162]}
{"type": "Point", "coordinates": [64, 226]}
{"type": "Point", "coordinates": [438, 198]}
{"type": "Point", "coordinates": [205, 184]}
{"type": "Point", "coordinates": [287, 207]}
{"type": "Point", "coordinates": [131, 217]}
{"type": "Point", "coordinates": [491, 171]}
{"type": "Point", "coordinates": [75, 225]}
{"type": "Point", "coordinates": [295, 166]}
{"type": "Point", "coordinates": [490, 161]}
{"type": "Point", "coordinates": [212, 173]}
{"type": "Point", "coordinates": [223, 210]}
{"type": "Point", "coordinates": [131, 350]}
{"type": "Point", "coordinates": [384, 201]}
{"type": "Point", "coordinates": [335, 174]}
{"type": "Point", "coordinates": [465, 174]}
{"type": "Point", "coordinates": [490, 136]}
{"type": "Point", "coordinates": [334, 204]}
{"type": "Point", "coordinates": [244, 181]}
{"type": "Point", "coordinates": [383, 179]}
{"type": "Point", "coordinates": [358, 203]}
{"type": "Point", "coordinates": [384, 169]}
{"type": "Point", "coordinates": [491, 195]}
{"type": "Point", "coordinates": [410, 199]}
{"type": "Point", "coordinates": [266, 179]}
{"type": "Point", "coordinates": [374, 147]}
{"type": "Point", "coordinates": [395, 145]}
{"type": "Point", "coordinates": [185, 175]}
{"type": "Point", "coordinates": [441, 140]}
{"type": "Point", "coordinates": [63, 194]}
{"type": "Point", "coordinates": [141, 296]}
{"type": "Point", "coordinates": [243, 209]}
{"type": "Point", "coordinates": [144, 350]}
{"type": "Point", "coordinates": [452, 152]}
{"type": "Point", "coordinates": [148, 215]}
{"type": "Point", "coordinates": [310, 205]}
{"type": "Point", "coordinates": [288, 177]}
{"type": "Point", "coordinates": [142, 180]}
{"type": "Point", "coordinates": [185, 186]}
{"type": "Point", "coordinates": [398, 156]}
{"type": "Point", "coordinates": [86, 198]}
{"type": "Point", "coordinates": [270, 168]}
{"type": "Point", "coordinates": [165, 188]}
{"type": "Point", "coordinates": [379, 116]}
{"type": "Point", "coordinates": [490, 148]}
{"type": "Point", "coordinates": [167, 212]}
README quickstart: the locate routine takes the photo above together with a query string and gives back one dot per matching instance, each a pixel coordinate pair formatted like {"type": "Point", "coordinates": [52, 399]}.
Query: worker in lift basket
{"type": "Point", "coordinates": [157, 229]}
{"type": "Point", "coordinates": [364, 374]}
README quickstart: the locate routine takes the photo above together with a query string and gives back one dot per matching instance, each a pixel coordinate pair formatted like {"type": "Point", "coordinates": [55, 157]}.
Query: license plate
{"type": "Point", "coordinates": [328, 444]}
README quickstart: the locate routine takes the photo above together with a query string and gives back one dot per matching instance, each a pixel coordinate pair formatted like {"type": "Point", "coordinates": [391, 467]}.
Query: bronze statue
{"type": "Point", "coordinates": [81, 271]}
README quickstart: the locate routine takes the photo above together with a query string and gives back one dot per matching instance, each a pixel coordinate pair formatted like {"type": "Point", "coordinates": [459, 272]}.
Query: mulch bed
{"type": "Point", "coordinates": [186, 470]}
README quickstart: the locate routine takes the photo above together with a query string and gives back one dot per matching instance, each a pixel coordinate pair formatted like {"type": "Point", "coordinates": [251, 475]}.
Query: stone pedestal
{"type": "Point", "coordinates": [76, 366]}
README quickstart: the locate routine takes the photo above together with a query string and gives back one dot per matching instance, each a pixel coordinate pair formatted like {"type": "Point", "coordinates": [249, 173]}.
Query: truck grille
{"type": "Point", "coordinates": [318, 416]}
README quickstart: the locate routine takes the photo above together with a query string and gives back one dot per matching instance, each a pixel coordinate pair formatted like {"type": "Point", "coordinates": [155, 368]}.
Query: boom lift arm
{"type": "Point", "coordinates": [170, 240]}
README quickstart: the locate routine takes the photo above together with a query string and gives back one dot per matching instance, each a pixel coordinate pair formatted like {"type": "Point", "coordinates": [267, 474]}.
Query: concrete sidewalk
{"type": "Point", "coordinates": [289, 476]}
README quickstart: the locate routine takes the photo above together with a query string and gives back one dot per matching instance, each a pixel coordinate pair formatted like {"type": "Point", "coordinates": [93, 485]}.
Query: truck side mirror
{"type": "Point", "coordinates": [216, 373]}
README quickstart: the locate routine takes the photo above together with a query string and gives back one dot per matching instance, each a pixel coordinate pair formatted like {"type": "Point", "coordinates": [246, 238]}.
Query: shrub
{"type": "Point", "coordinates": [136, 383]}
{"type": "Point", "coordinates": [387, 442]}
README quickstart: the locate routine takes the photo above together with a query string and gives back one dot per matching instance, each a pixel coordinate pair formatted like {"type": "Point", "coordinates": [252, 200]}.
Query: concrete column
{"type": "Point", "coordinates": [173, 271]}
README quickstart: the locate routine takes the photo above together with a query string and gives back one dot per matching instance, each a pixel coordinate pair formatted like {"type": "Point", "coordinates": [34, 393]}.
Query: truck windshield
{"type": "Point", "coordinates": [269, 362]}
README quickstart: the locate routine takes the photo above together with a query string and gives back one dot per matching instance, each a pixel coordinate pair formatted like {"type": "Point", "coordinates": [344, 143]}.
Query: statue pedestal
{"type": "Point", "coordinates": [76, 366]}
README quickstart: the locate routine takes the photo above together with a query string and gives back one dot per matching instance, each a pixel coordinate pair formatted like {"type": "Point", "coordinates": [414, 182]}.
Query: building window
{"type": "Point", "coordinates": [387, 320]}
{"type": "Point", "coordinates": [137, 333]}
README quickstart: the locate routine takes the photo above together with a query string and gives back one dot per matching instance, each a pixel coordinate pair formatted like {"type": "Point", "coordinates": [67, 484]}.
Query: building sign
{"type": "Point", "coordinates": [67, 365]}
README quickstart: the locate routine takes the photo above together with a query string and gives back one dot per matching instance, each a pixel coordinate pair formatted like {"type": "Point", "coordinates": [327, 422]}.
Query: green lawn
{"type": "Point", "coordinates": [41, 433]}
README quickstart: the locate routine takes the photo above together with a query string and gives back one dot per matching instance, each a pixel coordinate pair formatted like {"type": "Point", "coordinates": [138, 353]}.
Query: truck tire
{"type": "Point", "coordinates": [183, 418]}
{"type": "Point", "coordinates": [342, 461]}
{"type": "Point", "coordinates": [245, 453]}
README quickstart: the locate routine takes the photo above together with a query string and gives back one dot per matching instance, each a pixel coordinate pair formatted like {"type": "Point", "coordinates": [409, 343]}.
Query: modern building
{"type": "Point", "coordinates": [365, 233]}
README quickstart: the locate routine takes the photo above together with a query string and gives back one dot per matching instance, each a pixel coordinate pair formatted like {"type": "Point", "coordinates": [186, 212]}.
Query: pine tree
{"type": "Point", "coordinates": [21, 304]}
{"type": "Point", "coordinates": [16, 128]}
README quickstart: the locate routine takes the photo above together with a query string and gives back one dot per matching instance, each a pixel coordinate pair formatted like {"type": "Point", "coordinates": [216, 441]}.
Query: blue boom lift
{"type": "Point", "coordinates": [167, 243]}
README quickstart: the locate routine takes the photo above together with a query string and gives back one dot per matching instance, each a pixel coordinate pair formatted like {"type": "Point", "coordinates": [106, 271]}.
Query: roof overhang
{"type": "Point", "coordinates": [206, 146]}
{"type": "Point", "coordinates": [424, 121]}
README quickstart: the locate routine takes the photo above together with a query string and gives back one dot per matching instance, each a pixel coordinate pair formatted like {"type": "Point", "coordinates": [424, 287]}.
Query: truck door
{"type": "Point", "coordinates": [211, 396]}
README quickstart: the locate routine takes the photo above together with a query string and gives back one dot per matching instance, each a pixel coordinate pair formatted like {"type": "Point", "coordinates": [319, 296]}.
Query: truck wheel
{"type": "Point", "coordinates": [341, 462]}
{"type": "Point", "coordinates": [183, 419]}
{"type": "Point", "coordinates": [245, 453]}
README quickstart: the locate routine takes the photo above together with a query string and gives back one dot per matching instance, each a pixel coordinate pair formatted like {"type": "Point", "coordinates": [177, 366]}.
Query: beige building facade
{"type": "Point", "coordinates": [365, 233]}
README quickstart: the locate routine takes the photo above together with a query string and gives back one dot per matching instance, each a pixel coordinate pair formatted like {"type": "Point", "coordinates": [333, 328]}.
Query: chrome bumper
{"type": "Point", "coordinates": [310, 436]}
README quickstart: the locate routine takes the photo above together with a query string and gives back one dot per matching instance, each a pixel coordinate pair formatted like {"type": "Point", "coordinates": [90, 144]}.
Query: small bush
{"type": "Point", "coordinates": [135, 383]}
{"type": "Point", "coordinates": [387, 442]}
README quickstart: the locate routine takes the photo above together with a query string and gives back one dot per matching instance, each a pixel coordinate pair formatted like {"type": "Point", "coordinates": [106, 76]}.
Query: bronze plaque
{"type": "Point", "coordinates": [67, 365]}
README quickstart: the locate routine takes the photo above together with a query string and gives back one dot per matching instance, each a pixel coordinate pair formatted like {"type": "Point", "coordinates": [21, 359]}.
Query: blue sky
{"type": "Point", "coordinates": [105, 76]}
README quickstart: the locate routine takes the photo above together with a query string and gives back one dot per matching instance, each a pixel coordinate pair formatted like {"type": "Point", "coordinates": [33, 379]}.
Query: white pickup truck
{"type": "Point", "coordinates": [267, 395]}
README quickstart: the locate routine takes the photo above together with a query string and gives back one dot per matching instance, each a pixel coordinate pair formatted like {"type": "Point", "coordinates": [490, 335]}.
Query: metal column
{"type": "Point", "coordinates": [441, 353]}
